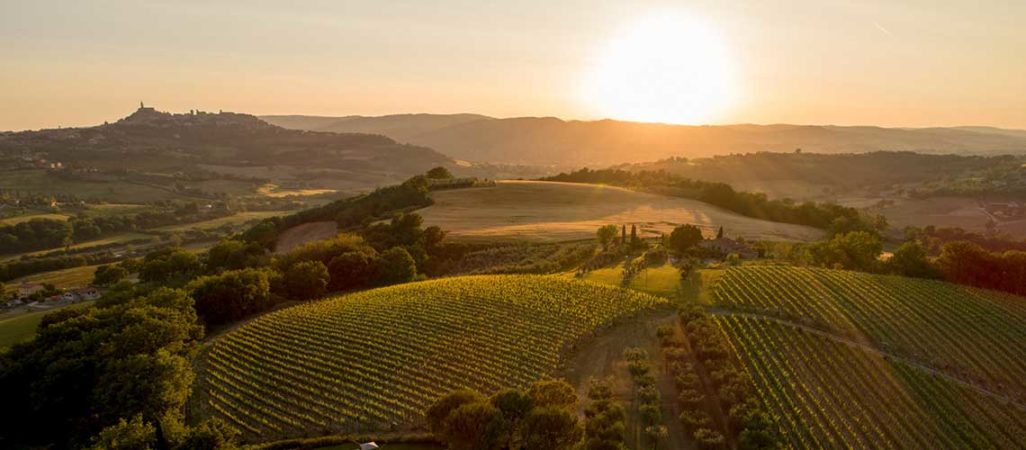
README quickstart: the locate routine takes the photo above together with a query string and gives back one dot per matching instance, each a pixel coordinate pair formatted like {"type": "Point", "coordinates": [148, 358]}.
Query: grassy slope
{"type": "Point", "coordinates": [369, 360]}
{"type": "Point", "coordinates": [542, 211]}
{"type": "Point", "coordinates": [850, 359]}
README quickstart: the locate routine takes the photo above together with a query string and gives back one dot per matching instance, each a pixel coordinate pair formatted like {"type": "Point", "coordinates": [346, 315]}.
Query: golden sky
{"type": "Point", "coordinates": [888, 63]}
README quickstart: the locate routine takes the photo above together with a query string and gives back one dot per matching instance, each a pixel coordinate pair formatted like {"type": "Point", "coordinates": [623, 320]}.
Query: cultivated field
{"type": "Point", "coordinates": [851, 360]}
{"type": "Point", "coordinates": [547, 211]}
{"type": "Point", "coordinates": [375, 360]}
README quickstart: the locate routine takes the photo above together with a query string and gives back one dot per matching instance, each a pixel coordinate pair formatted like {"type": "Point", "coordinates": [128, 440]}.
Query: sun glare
{"type": "Point", "coordinates": [667, 68]}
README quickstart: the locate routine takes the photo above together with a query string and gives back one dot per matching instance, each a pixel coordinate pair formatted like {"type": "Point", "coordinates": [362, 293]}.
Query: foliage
{"type": "Point", "coordinates": [857, 250]}
{"type": "Point", "coordinates": [107, 275]}
{"type": "Point", "coordinates": [169, 266]}
{"type": "Point", "coordinates": [683, 238]}
{"type": "Point", "coordinates": [231, 295]}
{"type": "Point", "coordinates": [910, 260]}
{"type": "Point", "coordinates": [456, 331]}
{"type": "Point", "coordinates": [91, 369]}
{"type": "Point", "coordinates": [306, 280]}
{"type": "Point", "coordinates": [397, 266]}
{"type": "Point", "coordinates": [233, 254]}
{"type": "Point", "coordinates": [967, 263]}
{"type": "Point", "coordinates": [542, 418]}
{"type": "Point", "coordinates": [606, 234]}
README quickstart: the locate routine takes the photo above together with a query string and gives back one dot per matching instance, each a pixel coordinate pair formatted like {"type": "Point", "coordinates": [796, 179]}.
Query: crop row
{"type": "Point", "coordinates": [975, 335]}
{"type": "Point", "coordinates": [832, 395]}
{"type": "Point", "coordinates": [375, 360]}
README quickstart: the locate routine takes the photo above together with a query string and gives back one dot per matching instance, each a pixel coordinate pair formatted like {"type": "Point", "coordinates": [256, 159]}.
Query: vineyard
{"type": "Point", "coordinates": [375, 360]}
{"type": "Point", "coordinates": [832, 395]}
{"type": "Point", "coordinates": [852, 360]}
{"type": "Point", "coordinates": [975, 335]}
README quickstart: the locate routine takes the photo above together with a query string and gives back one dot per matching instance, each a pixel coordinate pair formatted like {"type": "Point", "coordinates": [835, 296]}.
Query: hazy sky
{"type": "Point", "coordinates": [890, 63]}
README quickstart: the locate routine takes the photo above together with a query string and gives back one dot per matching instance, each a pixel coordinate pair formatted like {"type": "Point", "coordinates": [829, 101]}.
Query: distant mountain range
{"type": "Point", "coordinates": [552, 141]}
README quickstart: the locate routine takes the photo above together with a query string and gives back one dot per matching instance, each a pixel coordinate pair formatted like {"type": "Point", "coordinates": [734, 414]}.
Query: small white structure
{"type": "Point", "coordinates": [368, 446]}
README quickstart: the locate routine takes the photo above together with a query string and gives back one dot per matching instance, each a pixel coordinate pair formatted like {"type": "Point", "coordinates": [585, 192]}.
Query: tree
{"type": "Point", "coordinates": [166, 266]}
{"type": "Point", "coordinates": [857, 250]}
{"type": "Point", "coordinates": [306, 280]}
{"type": "Point", "coordinates": [107, 275]}
{"type": "Point", "coordinates": [351, 270]}
{"type": "Point", "coordinates": [396, 266]}
{"type": "Point", "coordinates": [719, 233]}
{"type": "Point", "coordinates": [910, 260]}
{"type": "Point", "coordinates": [438, 173]}
{"type": "Point", "coordinates": [553, 393]}
{"type": "Point", "coordinates": [606, 234]}
{"type": "Point", "coordinates": [445, 405]}
{"type": "Point", "coordinates": [127, 435]}
{"type": "Point", "coordinates": [475, 426]}
{"type": "Point", "coordinates": [233, 255]}
{"type": "Point", "coordinates": [623, 234]}
{"type": "Point", "coordinates": [231, 295]}
{"type": "Point", "coordinates": [634, 235]}
{"type": "Point", "coordinates": [552, 428]}
{"type": "Point", "coordinates": [683, 237]}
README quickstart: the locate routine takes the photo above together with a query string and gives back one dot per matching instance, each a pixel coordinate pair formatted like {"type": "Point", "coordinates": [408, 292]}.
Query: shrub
{"type": "Point", "coordinates": [306, 280]}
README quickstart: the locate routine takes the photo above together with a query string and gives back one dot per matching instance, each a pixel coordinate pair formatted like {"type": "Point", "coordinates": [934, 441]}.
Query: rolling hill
{"type": "Point", "coordinates": [550, 211]}
{"type": "Point", "coordinates": [149, 146]}
{"type": "Point", "coordinates": [851, 360]}
{"type": "Point", "coordinates": [375, 360]}
{"type": "Point", "coordinates": [552, 141]}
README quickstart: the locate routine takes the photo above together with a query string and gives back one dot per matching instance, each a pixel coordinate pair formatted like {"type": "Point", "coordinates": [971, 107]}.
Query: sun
{"type": "Point", "coordinates": [667, 68]}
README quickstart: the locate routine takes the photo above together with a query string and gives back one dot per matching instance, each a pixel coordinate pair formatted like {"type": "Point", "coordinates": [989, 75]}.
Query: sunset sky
{"type": "Point", "coordinates": [888, 63]}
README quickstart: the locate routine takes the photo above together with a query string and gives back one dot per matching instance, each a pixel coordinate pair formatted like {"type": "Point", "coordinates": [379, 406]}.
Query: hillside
{"type": "Point", "coordinates": [850, 359]}
{"type": "Point", "coordinates": [150, 147]}
{"type": "Point", "coordinates": [374, 360]}
{"type": "Point", "coordinates": [551, 141]}
{"type": "Point", "coordinates": [549, 211]}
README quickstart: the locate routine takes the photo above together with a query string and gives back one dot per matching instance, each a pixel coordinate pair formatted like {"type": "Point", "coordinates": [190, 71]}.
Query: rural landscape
{"type": "Point", "coordinates": [737, 237]}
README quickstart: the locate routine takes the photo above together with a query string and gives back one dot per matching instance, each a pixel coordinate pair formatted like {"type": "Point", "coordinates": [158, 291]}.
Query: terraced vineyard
{"type": "Point", "coordinates": [851, 360]}
{"type": "Point", "coordinates": [374, 360]}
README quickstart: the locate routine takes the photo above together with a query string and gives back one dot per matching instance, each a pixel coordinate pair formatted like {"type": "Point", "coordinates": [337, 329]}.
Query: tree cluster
{"type": "Point", "coordinates": [544, 417]}
{"type": "Point", "coordinates": [604, 419]}
{"type": "Point", "coordinates": [113, 377]}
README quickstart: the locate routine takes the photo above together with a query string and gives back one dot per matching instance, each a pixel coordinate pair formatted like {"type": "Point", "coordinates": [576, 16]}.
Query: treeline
{"type": "Point", "coordinates": [39, 234]}
{"type": "Point", "coordinates": [348, 212]}
{"type": "Point", "coordinates": [544, 417]}
{"type": "Point", "coordinates": [828, 216]}
{"type": "Point", "coordinates": [962, 262]}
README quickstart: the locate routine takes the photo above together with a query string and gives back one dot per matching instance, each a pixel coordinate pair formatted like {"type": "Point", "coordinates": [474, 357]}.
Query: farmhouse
{"type": "Point", "coordinates": [727, 246]}
{"type": "Point", "coordinates": [86, 293]}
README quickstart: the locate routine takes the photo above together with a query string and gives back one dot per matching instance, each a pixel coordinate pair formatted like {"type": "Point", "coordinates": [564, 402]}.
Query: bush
{"type": "Point", "coordinates": [231, 295]}
{"type": "Point", "coordinates": [107, 275]}
{"type": "Point", "coordinates": [709, 439]}
{"type": "Point", "coordinates": [352, 270]}
{"type": "Point", "coordinates": [306, 280]}
{"type": "Point", "coordinates": [396, 266]}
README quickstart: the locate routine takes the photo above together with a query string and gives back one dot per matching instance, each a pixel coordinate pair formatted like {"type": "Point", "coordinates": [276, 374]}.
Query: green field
{"type": "Point", "coordinates": [852, 360]}
{"type": "Point", "coordinates": [376, 359]}
{"type": "Point", "coordinates": [662, 281]}
{"type": "Point", "coordinates": [22, 327]}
